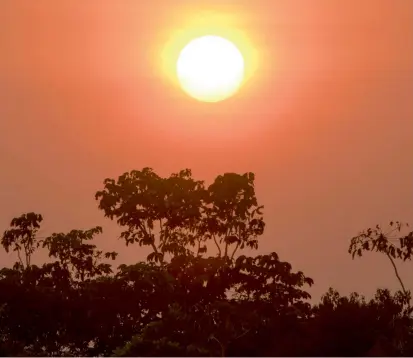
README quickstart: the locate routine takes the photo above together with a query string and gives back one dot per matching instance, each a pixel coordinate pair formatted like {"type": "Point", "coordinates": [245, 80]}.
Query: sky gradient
{"type": "Point", "coordinates": [325, 123]}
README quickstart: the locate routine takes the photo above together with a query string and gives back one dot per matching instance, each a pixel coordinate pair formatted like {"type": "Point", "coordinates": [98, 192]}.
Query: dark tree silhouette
{"type": "Point", "coordinates": [398, 247]}
{"type": "Point", "coordinates": [179, 215]}
{"type": "Point", "coordinates": [200, 292]}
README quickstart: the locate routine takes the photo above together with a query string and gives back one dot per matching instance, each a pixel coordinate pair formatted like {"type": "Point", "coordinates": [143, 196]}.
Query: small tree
{"type": "Point", "coordinates": [22, 237]}
{"type": "Point", "coordinates": [77, 256]}
{"type": "Point", "coordinates": [395, 247]}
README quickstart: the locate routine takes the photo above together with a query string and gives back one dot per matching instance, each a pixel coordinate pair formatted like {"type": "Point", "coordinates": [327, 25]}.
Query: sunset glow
{"type": "Point", "coordinates": [206, 178]}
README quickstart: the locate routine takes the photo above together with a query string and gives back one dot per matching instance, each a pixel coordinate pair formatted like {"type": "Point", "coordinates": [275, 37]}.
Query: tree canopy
{"type": "Point", "coordinates": [202, 290]}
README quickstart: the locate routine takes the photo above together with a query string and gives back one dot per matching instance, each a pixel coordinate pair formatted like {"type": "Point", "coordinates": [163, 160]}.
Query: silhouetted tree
{"type": "Point", "coordinates": [352, 326]}
{"type": "Point", "coordinates": [394, 247]}
{"type": "Point", "coordinates": [179, 215]}
{"type": "Point", "coordinates": [198, 293]}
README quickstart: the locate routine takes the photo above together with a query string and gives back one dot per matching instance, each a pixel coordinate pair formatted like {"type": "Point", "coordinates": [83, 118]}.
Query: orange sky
{"type": "Point", "coordinates": [325, 122]}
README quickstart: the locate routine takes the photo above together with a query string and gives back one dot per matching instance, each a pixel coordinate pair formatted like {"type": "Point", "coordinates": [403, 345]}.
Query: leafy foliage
{"type": "Point", "coordinates": [78, 257]}
{"type": "Point", "coordinates": [179, 215]}
{"type": "Point", "coordinates": [354, 325]}
{"type": "Point", "coordinates": [21, 237]}
{"type": "Point", "coordinates": [375, 239]}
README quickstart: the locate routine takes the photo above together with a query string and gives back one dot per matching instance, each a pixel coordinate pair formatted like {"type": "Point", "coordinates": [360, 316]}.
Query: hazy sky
{"type": "Point", "coordinates": [326, 122]}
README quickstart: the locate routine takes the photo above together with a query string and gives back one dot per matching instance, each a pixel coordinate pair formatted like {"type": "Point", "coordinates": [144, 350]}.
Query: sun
{"type": "Point", "coordinates": [210, 68]}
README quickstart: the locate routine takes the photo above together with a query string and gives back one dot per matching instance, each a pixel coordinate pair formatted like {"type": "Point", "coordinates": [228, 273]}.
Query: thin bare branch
{"type": "Point", "coordinates": [221, 345]}
{"type": "Point", "coordinates": [235, 250]}
{"type": "Point", "coordinates": [199, 246]}
{"type": "Point", "coordinates": [20, 258]}
{"type": "Point", "coordinates": [216, 243]}
{"type": "Point", "coordinates": [243, 334]}
{"type": "Point", "coordinates": [397, 275]}
{"type": "Point", "coordinates": [226, 250]}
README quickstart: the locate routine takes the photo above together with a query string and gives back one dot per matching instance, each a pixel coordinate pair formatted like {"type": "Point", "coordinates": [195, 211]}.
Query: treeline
{"type": "Point", "coordinates": [198, 293]}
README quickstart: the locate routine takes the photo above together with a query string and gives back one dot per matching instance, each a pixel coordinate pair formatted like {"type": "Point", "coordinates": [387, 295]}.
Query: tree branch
{"type": "Point", "coordinates": [26, 254]}
{"type": "Point", "coordinates": [243, 334]}
{"type": "Point", "coordinates": [160, 229]}
{"type": "Point", "coordinates": [221, 345]}
{"type": "Point", "coordinates": [216, 243]}
{"type": "Point", "coordinates": [235, 250]}
{"type": "Point", "coordinates": [20, 258]}
{"type": "Point", "coordinates": [226, 241]}
{"type": "Point", "coordinates": [397, 275]}
{"type": "Point", "coordinates": [199, 246]}
{"type": "Point", "coordinates": [148, 234]}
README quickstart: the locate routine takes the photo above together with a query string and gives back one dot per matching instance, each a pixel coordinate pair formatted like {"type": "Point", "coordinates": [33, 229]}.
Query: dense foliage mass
{"type": "Point", "coordinates": [200, 292]}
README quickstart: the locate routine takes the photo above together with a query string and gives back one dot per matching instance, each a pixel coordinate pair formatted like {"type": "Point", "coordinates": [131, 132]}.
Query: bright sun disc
{"type": "Point", "coordinates": [210, 68]}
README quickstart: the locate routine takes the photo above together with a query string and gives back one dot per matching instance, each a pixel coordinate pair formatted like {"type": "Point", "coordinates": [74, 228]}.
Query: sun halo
{"type": "Point", "coordinates": [187, 26]}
